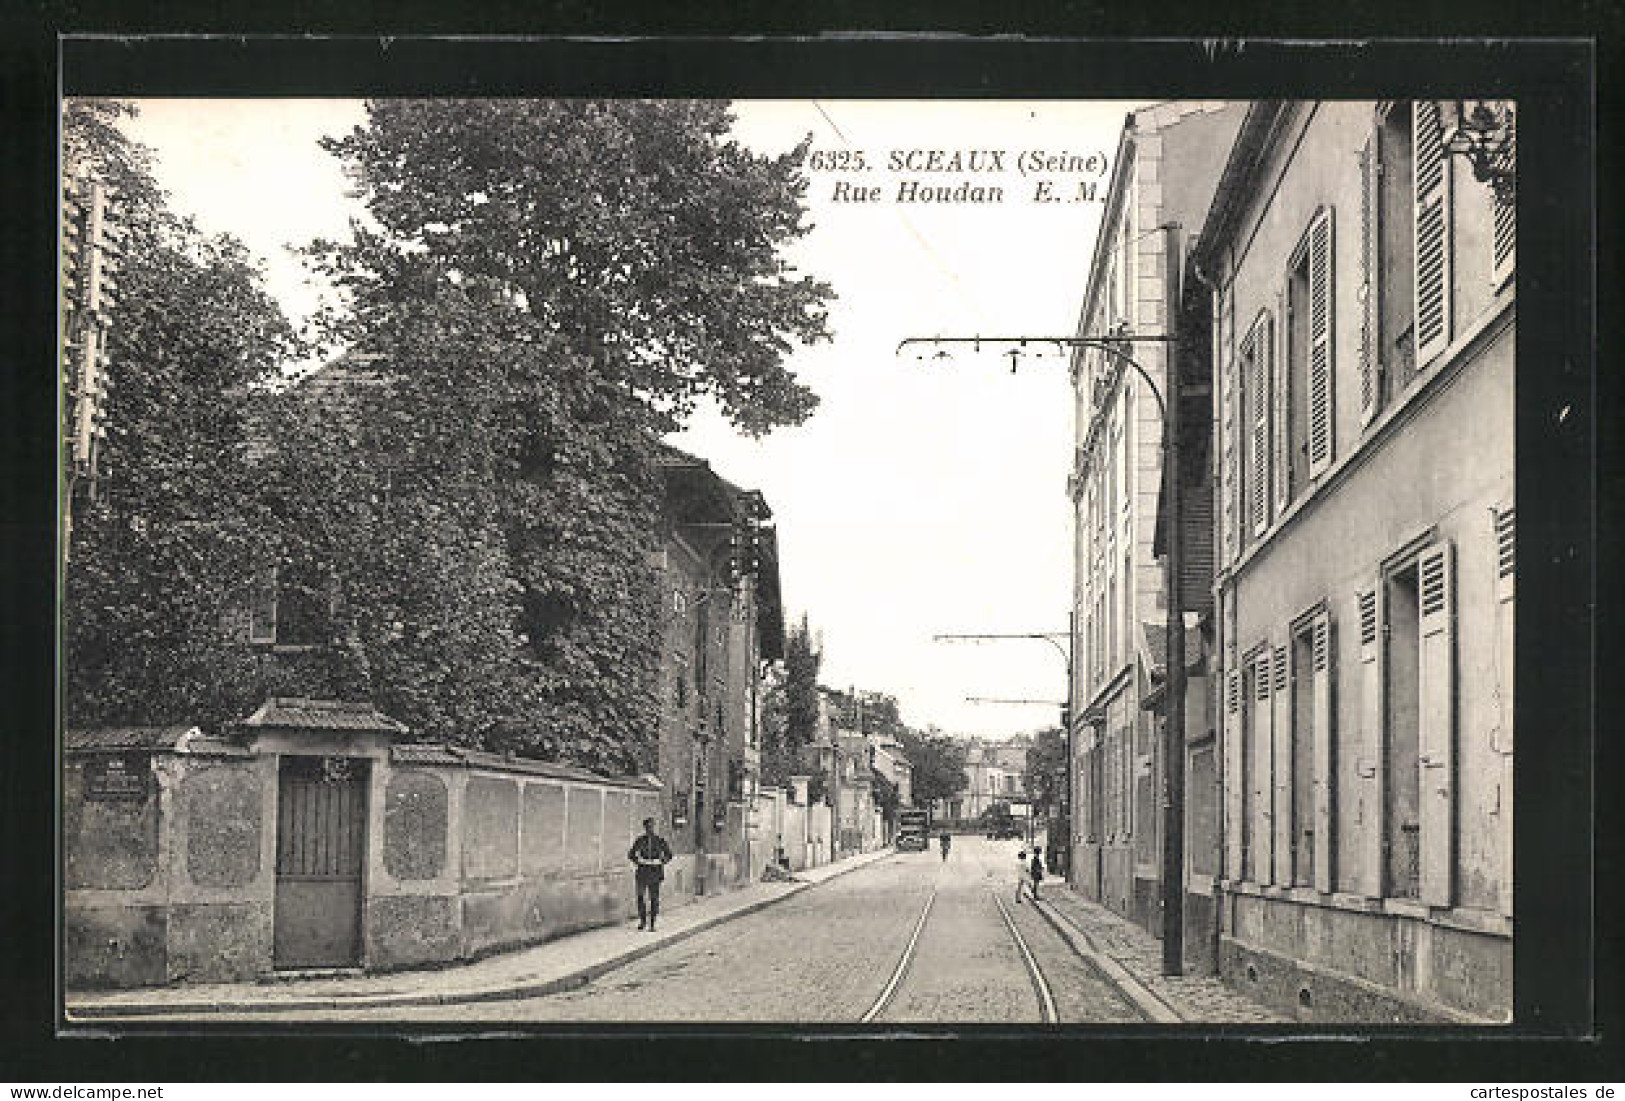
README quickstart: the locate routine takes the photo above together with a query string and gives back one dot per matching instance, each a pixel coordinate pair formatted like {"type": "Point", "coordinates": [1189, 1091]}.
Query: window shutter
{"type": "Point", "coordinates": [1369, 744]}
{"type": "Point", "coordinates": [1258, 401]}
{"type": "Point", "coordinates": [1370, 285]}
{"type": "Point", "coordinates": [1277, 369]}
{"type": "Point", "coordinates": [1505, 667]}
{"type": "Point", "coordinates": [1506, 552]}
{"type": "Point", "coordinates": [1506, 206]}
{"type": "Point", "coordinates": [1436, 723]}
{"type": "Point", "coordinates": [1281, 737]}
{"type": "Point", "coordinates": [1322, 310]}
{"type": "Point", "coordinates": [1235, 774]}
{"type": "Point", "coordinates": [1432, 233]}
{"type": "Point", "coordinates": [1229, 395]}
{"type": "Point", "coordinates": [1262, 787]}
{"type": "Point", "coordinates": [1325, 771]}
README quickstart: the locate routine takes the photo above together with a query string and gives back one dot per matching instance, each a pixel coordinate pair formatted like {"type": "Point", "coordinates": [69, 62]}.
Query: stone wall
{"type": "Point", "coordinates": [465, 854]}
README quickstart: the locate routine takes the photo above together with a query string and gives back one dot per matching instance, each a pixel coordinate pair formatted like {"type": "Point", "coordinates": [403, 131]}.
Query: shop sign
{"type": "Point", "coordinates": [116, 777]}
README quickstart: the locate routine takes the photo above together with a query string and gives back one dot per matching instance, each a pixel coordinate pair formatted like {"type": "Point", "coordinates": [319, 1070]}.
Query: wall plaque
{"type": "Point", "coordinates": [116, 777]}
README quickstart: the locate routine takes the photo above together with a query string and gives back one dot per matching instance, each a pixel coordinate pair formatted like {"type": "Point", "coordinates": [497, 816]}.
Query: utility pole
{"type": "Point", "coordinates": [1173, 822]}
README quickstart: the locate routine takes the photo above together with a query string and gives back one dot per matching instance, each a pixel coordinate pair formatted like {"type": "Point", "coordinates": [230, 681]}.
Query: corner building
{"type": "Point", "coordinates": [1363, 321]}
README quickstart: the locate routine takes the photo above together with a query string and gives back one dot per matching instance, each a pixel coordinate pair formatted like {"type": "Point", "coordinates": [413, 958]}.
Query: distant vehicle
{"type": "Point", "coordinates": [913, 830]}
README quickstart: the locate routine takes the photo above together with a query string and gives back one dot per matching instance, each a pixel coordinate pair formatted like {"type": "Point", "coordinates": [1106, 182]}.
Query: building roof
{"type": "Point", "coordinates": [120, 738]}
{"type": "Point", "coordinates": [1234, 191]}
{"type": "Point", "coordinates": [299, 713]}
{"type": "Point", "coordinates": [1154, 647]}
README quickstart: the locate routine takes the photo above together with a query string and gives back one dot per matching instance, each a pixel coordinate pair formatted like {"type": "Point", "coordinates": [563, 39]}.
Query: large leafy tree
{"type": "Point", "coordinates": [543, 289]}
{"type": "Point", "coordinates": [1046, 772]}
{"type": "Point", "coordinates": [790, 710]}
{"type": "Point", "coordinates": [174, 523]}
{"type": "Point", "coordinates": [938, 764]}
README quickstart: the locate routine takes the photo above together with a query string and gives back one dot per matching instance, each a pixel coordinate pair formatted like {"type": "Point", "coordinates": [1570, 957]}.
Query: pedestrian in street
{"type": "Point", "coordinates": [1037, 869]}
{"type": "Point", "coordinates": [947, 843]}
{"type": "Point", "coordinates": [650, 854]}
{"type": "Point", "coordinates": [1023, 874]}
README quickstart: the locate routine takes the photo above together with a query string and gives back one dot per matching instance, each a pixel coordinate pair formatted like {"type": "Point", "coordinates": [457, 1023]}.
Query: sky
{"type": "Point", "coordinates": [926, 496]}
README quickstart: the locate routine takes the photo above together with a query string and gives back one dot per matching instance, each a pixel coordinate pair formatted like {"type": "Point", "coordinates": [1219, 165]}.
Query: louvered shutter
{"type": "Point", "coordinates": [1235, 774]}
{"type": "Point", "coordinates": [1229, 394]}
{"type": "Point", "coordinates": [1258, 403]}
{"type": "Point", "coordinates": [1278, 370]}
{"type": "Point", "coordinates": [1325, 768]}
{"type": "Point", "coordinates": [1506, 205]}
{"type": "Point", "coordinates": [1431, 210]}
{"type": "Point", "coordinates": [1369, 811]}
{"type": "Point", "coordinates": [1436, 715]}
{"type": "Point", "coordinates": [1262, 769]}
{"type": "Point", "coordinates": [1281, 736]}
{"type": "Point", "coordinates": [1370, 284]}
{"type": "Point", "coordinates": [1506, 552]}
{"type": "Point", "coordinates": [1322, 317]}
{"type": "Point", "coordinates": [1505, 679]}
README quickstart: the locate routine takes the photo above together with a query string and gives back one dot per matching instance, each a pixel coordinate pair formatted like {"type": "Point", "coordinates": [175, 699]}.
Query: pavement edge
{"type": "Point", "coordinates": [1120, 978]}
{"type": "Point", "coordinates": [102, 1011]}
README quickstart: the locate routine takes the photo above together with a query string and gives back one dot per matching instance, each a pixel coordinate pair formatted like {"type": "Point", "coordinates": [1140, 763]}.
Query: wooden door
{"type": "Point", "coordinates": [321, 850]}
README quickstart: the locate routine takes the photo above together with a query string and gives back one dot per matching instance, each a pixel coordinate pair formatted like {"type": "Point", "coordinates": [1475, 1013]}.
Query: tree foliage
{"type": "Point", "coordinates": [938, 764]}
{"type": "Point", "coordinates": [790, 709]}
{"type": "Point", "coordinates": [1046, 771]}
{"type": "Point", "coordinates": [539, 292]}
{"type": "Point", "coordinates": [175, 524]}
{"type": "Point", "coordinates": [543, 289]}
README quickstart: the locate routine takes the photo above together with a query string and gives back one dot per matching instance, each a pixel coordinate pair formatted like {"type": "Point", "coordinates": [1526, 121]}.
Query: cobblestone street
{"type": "Point", "coordinates": [831, 955]}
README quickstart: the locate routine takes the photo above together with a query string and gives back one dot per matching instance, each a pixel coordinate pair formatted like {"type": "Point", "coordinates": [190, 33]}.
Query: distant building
{"type": "Point", "coordinates": [995, 772]}
{"type": "Point", "coordinates": [890, 762]}
{"type": "Point", "coordinates": [1365, 316]}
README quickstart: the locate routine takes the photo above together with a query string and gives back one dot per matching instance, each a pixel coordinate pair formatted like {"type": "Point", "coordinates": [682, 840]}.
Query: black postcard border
{"type": "Point", "coordinates": [1560, 651]}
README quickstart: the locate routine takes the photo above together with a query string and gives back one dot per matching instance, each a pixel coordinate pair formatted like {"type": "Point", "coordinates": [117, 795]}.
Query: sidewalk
{"type": "Point", "coordinates": [1131, 959]}
{"type": "Point", "coordinates": [547, 968]}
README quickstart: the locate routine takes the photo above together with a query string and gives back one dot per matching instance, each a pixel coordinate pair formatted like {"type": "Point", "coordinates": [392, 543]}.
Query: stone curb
{"type": "Point", "coordinates": [99, 1011]}
{"type": "Point", "coordinates": [1149, 1005]}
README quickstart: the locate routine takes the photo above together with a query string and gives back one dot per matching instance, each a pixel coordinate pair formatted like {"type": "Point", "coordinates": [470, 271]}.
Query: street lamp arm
{"type": "Point", "coordinates": [1052, 637]}
{"type": "Point", "coordinates": [1105, 343]}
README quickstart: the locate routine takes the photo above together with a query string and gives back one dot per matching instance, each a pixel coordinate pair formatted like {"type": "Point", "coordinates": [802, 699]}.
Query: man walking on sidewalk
{"type": "Point", "coordinates": [650, 853]}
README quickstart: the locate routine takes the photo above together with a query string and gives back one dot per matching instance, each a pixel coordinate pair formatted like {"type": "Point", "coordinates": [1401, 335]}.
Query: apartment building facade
{"type": "Point", "coordinates": [1168, 158]}
{"type": "Point", "coordinates": [1363, 331]}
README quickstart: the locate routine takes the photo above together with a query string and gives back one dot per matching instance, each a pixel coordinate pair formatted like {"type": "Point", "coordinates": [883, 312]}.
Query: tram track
{"type": "Point", "coordinates": [1042, 993]}
{"type": "Point", "coordinates": [1046, 999]}
{"type": "Point", "coordinates": [901, 969]}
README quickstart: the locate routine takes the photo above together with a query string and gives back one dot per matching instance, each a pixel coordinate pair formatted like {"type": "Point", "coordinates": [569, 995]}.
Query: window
{"type": "Point", "coordinates": [1256, 768]}
{"type": "Point", "coordinates": [1303, 756]}
{"type": "Point", "coordinates": [1388, 261]}
{"type": "Point", "coordinates": [1255, 361]}
{"type": "Point", "coordinates": [1402, 653]}
{"type": "Point", "coordinates": [1305, 430]}
{"type": "Point", "coordinates": [262, 608]}
{"type": "Point", "coordinates": [291, 606]}
{"type": "Point", "coordinates": [1418, 724]}
{"type": "Point", "coordinates": [1114, 643]}
{"type": "Point", "coordinates": [1128, 605]}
